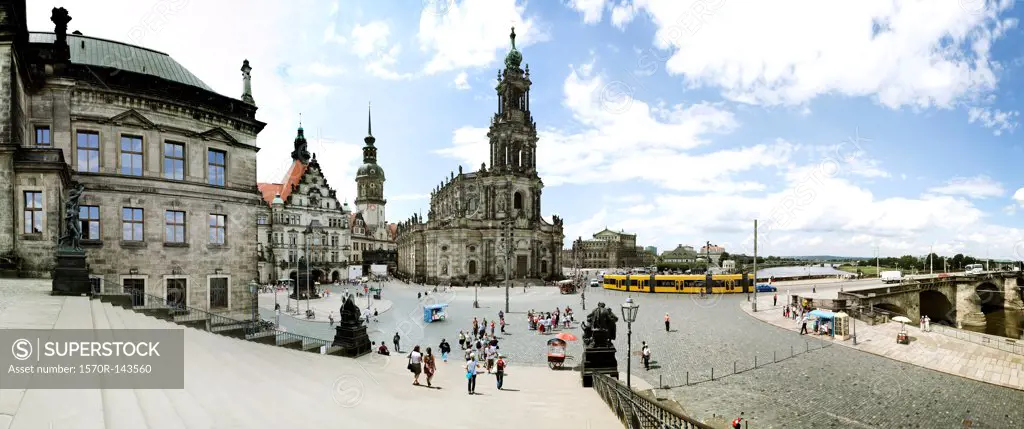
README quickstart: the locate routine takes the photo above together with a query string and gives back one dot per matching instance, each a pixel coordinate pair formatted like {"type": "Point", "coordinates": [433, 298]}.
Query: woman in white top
{"type": "Point", "coordinates": [416, 364]}
{"type": "Point", "coordinates": [471, 366]}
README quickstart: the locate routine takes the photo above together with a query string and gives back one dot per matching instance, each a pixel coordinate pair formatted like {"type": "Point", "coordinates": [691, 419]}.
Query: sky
{"type": "Point", "coordinates": [849, 128]}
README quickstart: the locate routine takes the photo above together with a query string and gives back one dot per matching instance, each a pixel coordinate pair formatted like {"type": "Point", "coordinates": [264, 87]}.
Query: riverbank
{"type": "Point", "coordinates": [929, 350]}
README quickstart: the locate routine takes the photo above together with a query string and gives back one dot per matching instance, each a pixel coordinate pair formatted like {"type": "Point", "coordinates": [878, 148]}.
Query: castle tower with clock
{"type": "Point", "coordinates": [480, 220]}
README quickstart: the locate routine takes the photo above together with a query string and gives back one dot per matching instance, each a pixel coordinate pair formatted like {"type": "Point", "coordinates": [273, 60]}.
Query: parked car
{"type": "Point", "coordinates": [765, 287]}
{"type": "Point", "coordinates": [595, 283]}
{"type": "Point", "coordinates": [891, 276]}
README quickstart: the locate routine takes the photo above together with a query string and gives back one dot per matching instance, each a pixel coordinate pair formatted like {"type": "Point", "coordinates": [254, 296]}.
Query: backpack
{"type": "Point", "coordinates": [501, 365]}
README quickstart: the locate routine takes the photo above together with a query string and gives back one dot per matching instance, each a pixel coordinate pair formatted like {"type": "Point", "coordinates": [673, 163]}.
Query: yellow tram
{"type": "Point", "coordinates": [680, 283]}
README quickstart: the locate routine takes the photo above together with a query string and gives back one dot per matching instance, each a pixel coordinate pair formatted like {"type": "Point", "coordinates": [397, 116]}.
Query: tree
{"type": "Point", "coordinates": [724, 256]}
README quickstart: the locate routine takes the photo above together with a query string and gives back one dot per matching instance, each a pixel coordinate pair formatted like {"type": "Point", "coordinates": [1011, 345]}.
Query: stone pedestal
{"type": "Point", "coordinates": [352, 338]}
{"type": "Point", "coordinates": [599, 360]}
{"type": "Point", "coordinates": [71, 274]}
{"type": "Point", "coordinates": [299, 291]}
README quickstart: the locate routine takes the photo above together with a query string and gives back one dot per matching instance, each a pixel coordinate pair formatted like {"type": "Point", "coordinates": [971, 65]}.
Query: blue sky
{"type": "Point", "coordinates": [841, 126]}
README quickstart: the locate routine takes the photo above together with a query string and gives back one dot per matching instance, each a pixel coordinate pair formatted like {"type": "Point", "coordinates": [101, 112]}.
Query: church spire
{"type": "Point", "coordinates": [301, 152]}
{"type": "Point", "coordinates": [369, 139]}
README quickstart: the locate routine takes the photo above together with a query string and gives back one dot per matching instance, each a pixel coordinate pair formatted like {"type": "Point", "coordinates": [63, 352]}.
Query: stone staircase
{"type": "Point", "coordinates": [210, 322]}
{"type": "Point", "coordinates": [231, 383]}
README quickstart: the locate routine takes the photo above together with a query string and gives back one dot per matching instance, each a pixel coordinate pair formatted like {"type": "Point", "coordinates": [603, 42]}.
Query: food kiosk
{"type": "Point", "coordinates": [434, 313]}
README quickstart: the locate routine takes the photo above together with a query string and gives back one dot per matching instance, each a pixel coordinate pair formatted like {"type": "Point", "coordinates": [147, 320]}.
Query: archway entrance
{"type": "Point", "coordinates": [471, 268]}
{"type": "Point", "coordinates": [335, 276]}
{"type": "Point", "coordinates": [315, 275]}
{"type": "Point", "coordinates": [937, 307]}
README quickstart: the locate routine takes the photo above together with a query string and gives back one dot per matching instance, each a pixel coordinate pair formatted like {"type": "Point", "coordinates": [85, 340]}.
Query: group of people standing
{"type": "Point", "coordinates": [542, 322]}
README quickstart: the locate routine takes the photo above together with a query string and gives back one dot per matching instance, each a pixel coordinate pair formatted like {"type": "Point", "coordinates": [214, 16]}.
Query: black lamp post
{"type": "Point", "coordinates": [629, 310]}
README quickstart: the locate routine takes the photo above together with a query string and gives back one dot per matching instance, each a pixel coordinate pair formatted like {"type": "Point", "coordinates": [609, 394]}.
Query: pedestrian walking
{"type": "Point", "coordinates": [471, 365]}
{"type": "Point", "coordinates": [445, 348]}
{"type": "Point", "coordinates": [803, 326]}
{"type": "Point", "coordinates": [503, 326]}
{"type": "Point", "coordinates": [429, 366]}
{"type": "Point", "coordinates": [330, 318]}
{"type": "Point", "coordinates": [645, 355]}
{"type": "Point", "coordinates": [775, 299]}
{"type": "Point", "coordinates": [499, 374]}
{"type": "Point", "coordinates": [395, 340]}
{"type": "Point", "coordinates": [666, 322]}
{"type": "Point", "coordinates": [416, 364]}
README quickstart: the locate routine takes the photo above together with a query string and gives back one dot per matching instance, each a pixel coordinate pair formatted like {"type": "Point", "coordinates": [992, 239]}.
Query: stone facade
{"type": "Point", "coordinates": [170, 198]}
{"type": "Point", "coordinates": [681, 254]}
{"type": "Point", "coordinates": [339, 237]}
{"type": "Point", "coordinates": [474, 214]}
{"type": "Point", "coordinates": [609, 249]}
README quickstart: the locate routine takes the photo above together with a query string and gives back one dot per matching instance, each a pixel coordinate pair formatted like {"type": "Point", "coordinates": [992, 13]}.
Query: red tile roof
{"type": "Point", "coordinates": [291, 178]}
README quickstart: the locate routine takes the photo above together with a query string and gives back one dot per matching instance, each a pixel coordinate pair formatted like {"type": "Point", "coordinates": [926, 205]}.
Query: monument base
{"type": "Point", "coordinates": [71, 275]}
{"type": "Point", "coordinates": [304, 288]}
{"type": "Point", "coordinates": [599, 360]}
{"type": "Point", "coordinates": [353, 340]}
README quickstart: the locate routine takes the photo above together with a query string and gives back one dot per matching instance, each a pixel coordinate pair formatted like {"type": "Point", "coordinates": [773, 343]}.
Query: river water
{"type": "Point", "coordinates": [1002, 322]}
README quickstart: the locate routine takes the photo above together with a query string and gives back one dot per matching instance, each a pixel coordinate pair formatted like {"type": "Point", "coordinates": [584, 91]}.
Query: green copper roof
{"type": "Point", "coordinates": [105, 53]}
{"type": "Point", "coordinates": [514, 58]}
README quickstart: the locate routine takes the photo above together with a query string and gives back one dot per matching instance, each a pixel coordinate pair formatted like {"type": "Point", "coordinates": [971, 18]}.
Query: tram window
{"type": "Point", "coordinates": [609, 281]}
{"type": "Point", "coordinates": [632, 282]}
{"type": "Point", "coordinates": [718, 283]}
{"type": "Point", "coordinates": [669, 283]}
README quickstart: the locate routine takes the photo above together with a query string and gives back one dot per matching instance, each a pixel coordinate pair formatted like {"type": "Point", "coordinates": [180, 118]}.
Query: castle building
{"type": "Point", "coordinates": [303, 218]}
{"type": "Point", "coordinates": [608, 249]}
{"type": "Point", "coordinates": [168, 166]}
{"type": "Point", "coordinates": [478, 219]}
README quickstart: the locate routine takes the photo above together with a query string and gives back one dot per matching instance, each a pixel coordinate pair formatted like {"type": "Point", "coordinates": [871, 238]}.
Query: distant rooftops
{"type": "Point", "coordinates": [91, 51]}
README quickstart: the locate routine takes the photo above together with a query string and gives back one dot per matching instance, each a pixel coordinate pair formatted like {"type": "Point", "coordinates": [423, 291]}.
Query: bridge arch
{"type": "Point", "coordinates": [937, 307]}
{"type": "Point", "coordinates": [991, 297]}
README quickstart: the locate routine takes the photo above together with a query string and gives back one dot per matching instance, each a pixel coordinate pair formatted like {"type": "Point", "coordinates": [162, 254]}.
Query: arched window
{"type": "Point", "coordinates": [517, 201]}
{"type": "Point", "coordinates": [472, 267]}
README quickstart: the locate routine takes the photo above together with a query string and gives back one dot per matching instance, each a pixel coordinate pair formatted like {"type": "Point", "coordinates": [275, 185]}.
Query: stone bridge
{"type": "Point", "coordinates": [956, 299]}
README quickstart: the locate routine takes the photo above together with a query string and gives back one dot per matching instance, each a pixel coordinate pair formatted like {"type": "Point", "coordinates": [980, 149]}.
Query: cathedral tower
{"type": "Point", "coordinates": [370, 183]}
{"type": "Point", "coordinates": [513, 132]}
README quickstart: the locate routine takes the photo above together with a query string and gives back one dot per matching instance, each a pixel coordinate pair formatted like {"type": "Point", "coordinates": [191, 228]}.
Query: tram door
{"type": "Point", "coordinates": [709, 284]}
{"type": "Point", "coordinates": [651, 283]}
{"type": "Point", "coordinates": [746, 283]}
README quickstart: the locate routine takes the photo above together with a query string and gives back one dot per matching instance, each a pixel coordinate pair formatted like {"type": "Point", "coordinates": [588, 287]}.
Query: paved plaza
{"type": "Point", "coordinates": [827, 386]}
{"type": "Point", "coordinates": [323, 308]}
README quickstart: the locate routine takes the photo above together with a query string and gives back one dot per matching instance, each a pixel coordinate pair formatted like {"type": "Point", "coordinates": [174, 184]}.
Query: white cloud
{"type": "Point", "coordinates": [334, 9]}
{"type": "Point", "coordinates": [1019, 196]}
{"type": "Point", "coordinates": [331, 35]}
{"type": "Point", "coordinates": [622, 14]}
{"type": "Point", "coordinates": [465, 37]}
{"type": "Point", "coordinates": [591, 9]}
{"type": "Point", "coordinates": [408, 197]}
{"type": "Point", "coordinates": [370, 42]}
{"type": "Point", "coordinates": [615, 130]}
{"type": "Point", "coordinates": [919, 54]}
{"type": "Point", "coordinates": [324, 70]}
{"type": "Point", "coordinates": [370, 38]}
{"type": "Point", "coordinates": [995, 119]}
{"type": "Point", "coordinates": [970, 187]}
{"type": "Point", "coordinates": [462, 81]}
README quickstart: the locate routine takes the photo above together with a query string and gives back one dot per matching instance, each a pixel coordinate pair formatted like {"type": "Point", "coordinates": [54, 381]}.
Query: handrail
{"type": "Point", "coordinates": [636, 411]}
{"type": "Point", "coordinates": [1005, 344]}
{"type": "Point", "coordinates": [184, 313]}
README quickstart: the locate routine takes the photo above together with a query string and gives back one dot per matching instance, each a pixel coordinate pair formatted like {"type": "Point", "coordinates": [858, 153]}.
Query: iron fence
{"type": "Point", "coordinates": [1001, 343]}
{"type": "Point", "coordinates": [638, 412]}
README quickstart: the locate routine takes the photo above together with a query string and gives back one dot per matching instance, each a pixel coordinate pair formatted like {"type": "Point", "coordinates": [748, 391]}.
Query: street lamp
{"type": "Point", "coordinates": [312, 231]}
{"type": "Point", "coordinates": [508, 247]}
{"type": "Point", "coordinates": [629, 310]}
{"type": "Point", "coordinates": [577, 248]}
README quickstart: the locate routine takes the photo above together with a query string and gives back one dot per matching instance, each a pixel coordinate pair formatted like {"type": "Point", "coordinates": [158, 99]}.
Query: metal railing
{"type": "Point", "coordinates": [638, 412]}
{"type": "Point", "coordinates": [994, 341]}
{"type": "Point", "coordinates": [1000, 343]}
{"type": "Point", "coordinates": [181, 313]}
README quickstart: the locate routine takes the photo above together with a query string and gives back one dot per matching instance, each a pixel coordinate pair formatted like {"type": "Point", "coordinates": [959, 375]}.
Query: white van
{"type": "Point", "coordinates": [974, 268]}
{"type": "Point", "coordinates": [891, 276]}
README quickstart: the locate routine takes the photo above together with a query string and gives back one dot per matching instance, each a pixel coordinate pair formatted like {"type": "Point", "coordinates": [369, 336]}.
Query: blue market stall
{"type": "Point", "coordinates": [434, 313]}
{"type": "Point", "coordinates": [823, 317]}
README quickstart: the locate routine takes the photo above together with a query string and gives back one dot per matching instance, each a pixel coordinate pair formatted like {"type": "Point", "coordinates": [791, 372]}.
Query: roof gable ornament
{"type": "Point", "coordinates": [217, 134]}
{"type": "Point", "coordinates": [131, 117]}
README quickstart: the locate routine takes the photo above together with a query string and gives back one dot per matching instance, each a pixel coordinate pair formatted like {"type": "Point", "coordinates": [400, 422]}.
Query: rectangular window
{"type": "Point", "coordinates": [43, 136]}
{"type": "Point", "coordinates": [33, 212]}
{"type": "Point", "coordinates": [215, 166]}
{"type": "Point", "coordinates": [131, 224]}
{"type": "Point", "coordinates": [174, 161]}
{"type": "Point", "coordinates": [90, 217]}
{"type": "Point", "coordinates": [218, 292]}
{"type": "Point", "coordinates": [131, 155]}
{"type": "Point", "coordinates": [88, 145]}
{"type": "Point", "coordinates": [261, 220]}
{"type": "Point", "coordinates": [174, 226]}
{"type": "Point", "coordinates": [218, 228]}
{"type": "Point", "coordinates": [137, 289]}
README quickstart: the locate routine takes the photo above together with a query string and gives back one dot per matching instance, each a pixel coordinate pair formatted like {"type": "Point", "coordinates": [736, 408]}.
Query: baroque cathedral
{"type": "Point", "coordinates": [480, 220]}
